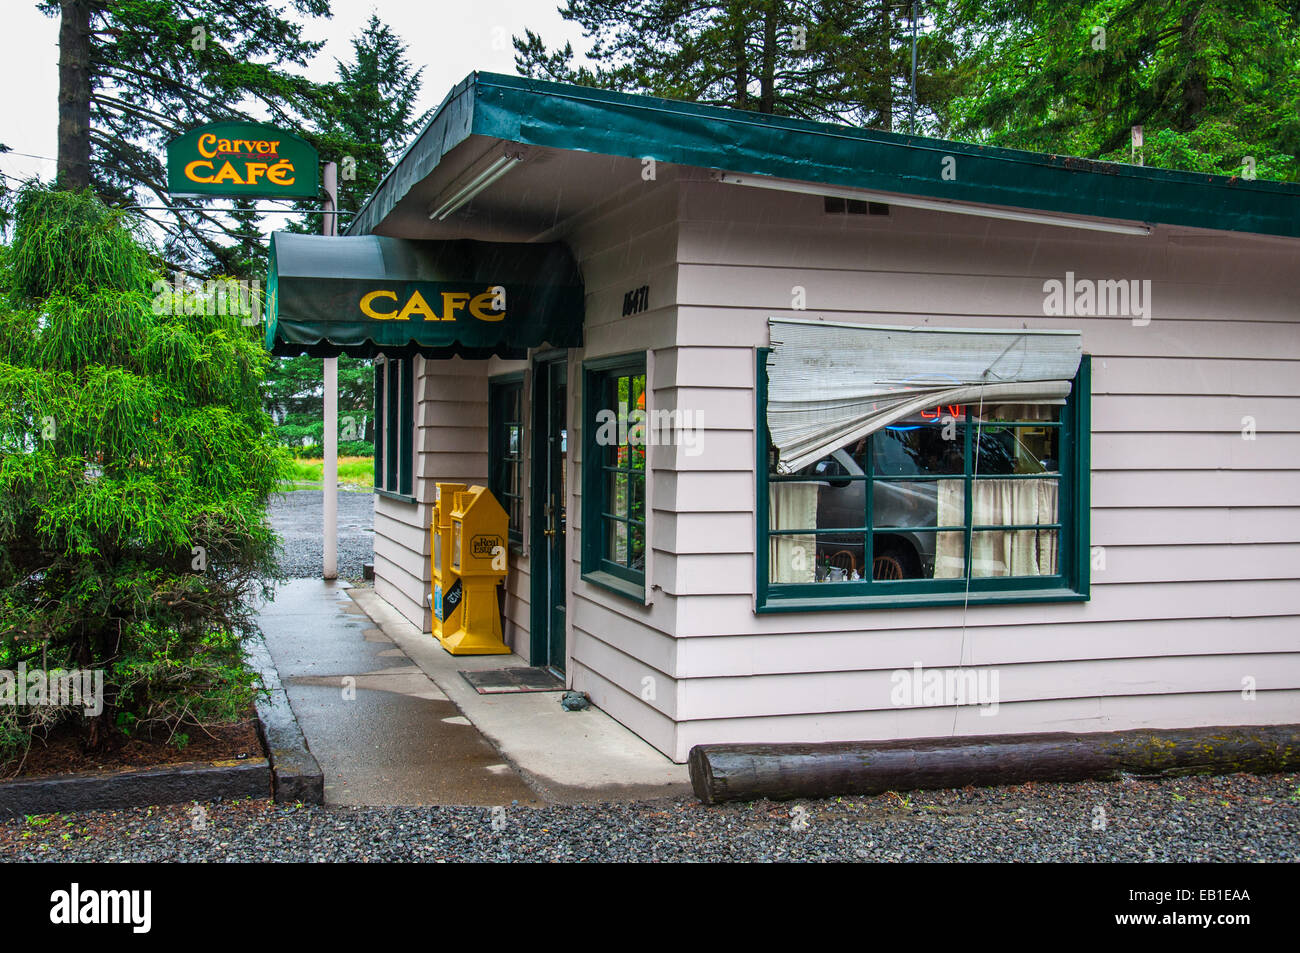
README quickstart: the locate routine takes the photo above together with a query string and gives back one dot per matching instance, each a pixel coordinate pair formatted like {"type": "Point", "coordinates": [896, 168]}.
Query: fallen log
{"type": "Point", "coordinates": [746, 772]}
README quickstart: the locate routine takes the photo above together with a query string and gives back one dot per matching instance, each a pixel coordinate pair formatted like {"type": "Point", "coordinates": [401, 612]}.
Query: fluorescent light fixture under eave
{"type": "Point", "coordinates": [460, 195]}
{"type": "Point", "coordinates": [937, 205]}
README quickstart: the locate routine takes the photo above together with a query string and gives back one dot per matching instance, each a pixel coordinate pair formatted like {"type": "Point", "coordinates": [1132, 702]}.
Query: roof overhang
{"type": "Point", "coordinates": [606, 136]}
{"type": "Point", "coordinates": [368, 295]}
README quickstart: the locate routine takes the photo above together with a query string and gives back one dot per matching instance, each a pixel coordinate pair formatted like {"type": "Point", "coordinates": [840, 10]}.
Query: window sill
{"type": "Point", "coordinates": [622, 587]}
{"type": "Point", "coordinates": [918, 600]}
{"type": "Point", "coordinates": [401, 498]}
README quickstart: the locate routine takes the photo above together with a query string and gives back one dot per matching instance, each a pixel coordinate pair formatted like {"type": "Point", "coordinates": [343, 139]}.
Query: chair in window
{"type": "Point", "coordinates": [845, 561]}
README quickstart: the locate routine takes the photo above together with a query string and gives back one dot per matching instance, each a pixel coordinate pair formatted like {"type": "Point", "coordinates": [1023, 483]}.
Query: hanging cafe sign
{"type": "Point", "coordinates": [242, 160]}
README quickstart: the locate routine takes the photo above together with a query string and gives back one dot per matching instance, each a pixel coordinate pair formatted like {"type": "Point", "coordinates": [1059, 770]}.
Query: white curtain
{"type": "Point", "coordinates": [1026, 552]}
{"type": "Point", "coordinates": [793, 558]}
{"type": "Point", "coordinates": [831, 384]}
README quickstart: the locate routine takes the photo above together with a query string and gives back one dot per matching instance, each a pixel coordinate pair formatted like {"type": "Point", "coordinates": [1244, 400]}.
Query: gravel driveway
{"type": "Point", "coordinates": [299, 519]}
{"type": "Point", "coordinates": [1235, 818]}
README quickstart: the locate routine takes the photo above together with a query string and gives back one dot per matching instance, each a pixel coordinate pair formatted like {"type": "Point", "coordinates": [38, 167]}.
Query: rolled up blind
{"type": "Point", "coordinates": [830, 384]}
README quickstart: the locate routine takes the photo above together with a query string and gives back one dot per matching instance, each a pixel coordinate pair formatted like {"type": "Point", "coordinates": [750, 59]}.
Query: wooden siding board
{"type": "Point", "coordinates": [1093, 678]}
{"type": "Point", "coordinates": [1072, 714]}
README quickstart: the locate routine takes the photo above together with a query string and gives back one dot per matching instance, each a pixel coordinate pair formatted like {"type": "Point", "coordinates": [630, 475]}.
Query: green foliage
{"type": "Point", "coordinates": [830, 60]}
{"type": "Point", "coordinates": [358, 471]}
{"type": "Point", "coordinates": [135, 462]}
{"type": "Point", "coordinates": [1211, 83]}
{"type": "Point", "coordinates": [159, 67]}
{"type": "Point", "coordinates": [369, 112]}
{"type": "Point", "coordinates": [61, 246]}
{"type": "Point", "coordinates": [295, 398]}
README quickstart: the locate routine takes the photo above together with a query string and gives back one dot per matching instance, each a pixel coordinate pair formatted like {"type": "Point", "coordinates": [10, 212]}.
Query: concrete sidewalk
{"type": "Point", "coordinates": [382, 732]}
{"type": "Point", "coordinates": [390, 719]}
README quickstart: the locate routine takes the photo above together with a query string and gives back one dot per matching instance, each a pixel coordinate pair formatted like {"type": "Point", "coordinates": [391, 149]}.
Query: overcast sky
{"type": "Point", "coordinates": [449, 38]}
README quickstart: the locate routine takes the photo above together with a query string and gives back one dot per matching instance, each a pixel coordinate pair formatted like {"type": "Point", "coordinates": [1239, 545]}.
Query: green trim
{"type": "Point", "coordinates": [498, 388]}
{"type": "Point", "coordinates": [612, 583]}
{"type": "Point", "coordinates": [380, 424]}
{"type": "Point", "coordinates": [406, 431]}
{"type": "Point", "coordinates": [401, 497]}
{"type": "Point", "coordinates": [393, 401]}
{"type": "Point", "coordinates": [584, 119]}
{"type": "Point", "coordinates": [596, 568]}
{"type": "Point", "coordinates": [1070, 585]}
{"type": "Point", "coordinates": [538, 599]}
{"type": "Point", "coordinates": [395, 428]}
{"type": "Point", "coordinates": [914, 601]}
{"type": "Point", "coordinates": [1081, 446]}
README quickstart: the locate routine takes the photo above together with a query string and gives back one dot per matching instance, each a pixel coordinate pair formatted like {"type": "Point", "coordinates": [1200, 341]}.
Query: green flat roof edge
{"type": "Point", "coordinates": [586, 119]}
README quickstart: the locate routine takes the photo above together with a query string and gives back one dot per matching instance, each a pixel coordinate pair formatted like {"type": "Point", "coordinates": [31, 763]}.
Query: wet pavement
{"type": "Point", "coordinates": [382, 731]}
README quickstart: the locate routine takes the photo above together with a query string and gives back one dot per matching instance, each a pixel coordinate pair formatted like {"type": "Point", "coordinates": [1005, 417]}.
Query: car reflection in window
{"type": "Point", "coordinates": [900, 507]}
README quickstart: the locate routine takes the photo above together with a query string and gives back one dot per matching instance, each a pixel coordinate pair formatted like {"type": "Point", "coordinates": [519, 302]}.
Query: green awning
{"type": "Point", "coordinates": [369, 295]}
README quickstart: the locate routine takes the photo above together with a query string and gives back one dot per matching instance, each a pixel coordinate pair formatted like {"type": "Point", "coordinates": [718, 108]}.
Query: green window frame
{"type": "Point", "coordinates": [395, 428]}
{"type": "Point", "coordinates": [506, 451]}
{"type": "Point", "coordinates": [614, 545]}
{"type": "Point", "coordinates": [1069, 584]}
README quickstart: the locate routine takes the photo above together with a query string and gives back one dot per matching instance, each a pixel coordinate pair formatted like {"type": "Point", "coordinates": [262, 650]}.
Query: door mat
{"type": "Point", "coordinates": [496, 681]}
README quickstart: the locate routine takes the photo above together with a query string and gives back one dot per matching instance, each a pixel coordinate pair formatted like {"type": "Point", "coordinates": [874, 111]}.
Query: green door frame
{"type": "Point", "coordinates": [548, 595]}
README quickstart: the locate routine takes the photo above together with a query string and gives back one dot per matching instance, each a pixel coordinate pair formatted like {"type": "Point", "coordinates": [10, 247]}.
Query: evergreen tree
{"type": "Point", "coordinates": [369, 114]}
{"type": "Point", "coordinates": [135, 464]}
{"type": "Point", "coordinates": [1211, 82]}
{"type": "Point", "coordinates": [363, 122]}
{"type": "Point", "coordinates": [832, 60]}
{"type": "Point", "coordinates": [133, 75]}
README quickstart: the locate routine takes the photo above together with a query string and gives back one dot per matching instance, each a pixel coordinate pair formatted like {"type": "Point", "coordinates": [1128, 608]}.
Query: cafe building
{"type": "Point", "coordinates": [808, 432]}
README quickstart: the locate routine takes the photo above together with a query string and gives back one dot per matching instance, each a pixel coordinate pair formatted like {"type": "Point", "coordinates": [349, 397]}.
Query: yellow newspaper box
{"type": "Point", "coordinates": [446, 611]}
{"type": "Point", "coordinates": [471, 619]}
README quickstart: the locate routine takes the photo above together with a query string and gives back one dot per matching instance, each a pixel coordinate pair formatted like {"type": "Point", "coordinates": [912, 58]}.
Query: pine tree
{"type": "Point", "coordinates": [1212, 82]}
{"type": "Point", "coordinates": [133, 75]}
{"type": "Point", "coordinates": [363, 122]}
{"type": "Point", "coordinates": [832, 60]}
{"type": "Point", "coordinates": [369, 113]}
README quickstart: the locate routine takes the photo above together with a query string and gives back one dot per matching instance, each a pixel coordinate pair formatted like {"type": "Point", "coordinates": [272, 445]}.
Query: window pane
{"type": "Point", "coordinates": [839, 557]}
{"type": "Point", "coordinates": [1014, 553]}
{"type": "Point", "coordinates": [636, 555]}
{"type": "Point", "coordinates": [949, 555]}
{"type": "Point", "coordinates": [1014, 502]}
{"type": "Point", "coordinates": [792, 505]}
{"type": "Point", "coordinates": [1011, 413]}
{"type": "Point", "coordinates": [918, 502]}
{"type": "Point", "coordinates": [792, 558]}
{"type": "Point", "coordinates": [919, 446]}
{"type": "Point", "coordinates": [636, 497]}
{"type": "Point", "coordinates": [617, 541]}
{"type": "Point", "coordinates": [616, 495]}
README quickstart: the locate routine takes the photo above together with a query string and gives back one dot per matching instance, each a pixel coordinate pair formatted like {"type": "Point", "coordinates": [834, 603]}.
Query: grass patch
{"type": "Point", "coordinates": [353, 471]}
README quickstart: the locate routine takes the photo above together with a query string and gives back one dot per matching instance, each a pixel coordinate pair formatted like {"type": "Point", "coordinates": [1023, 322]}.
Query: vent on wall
{"type": "Point", "coordinates": [839, 206]}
